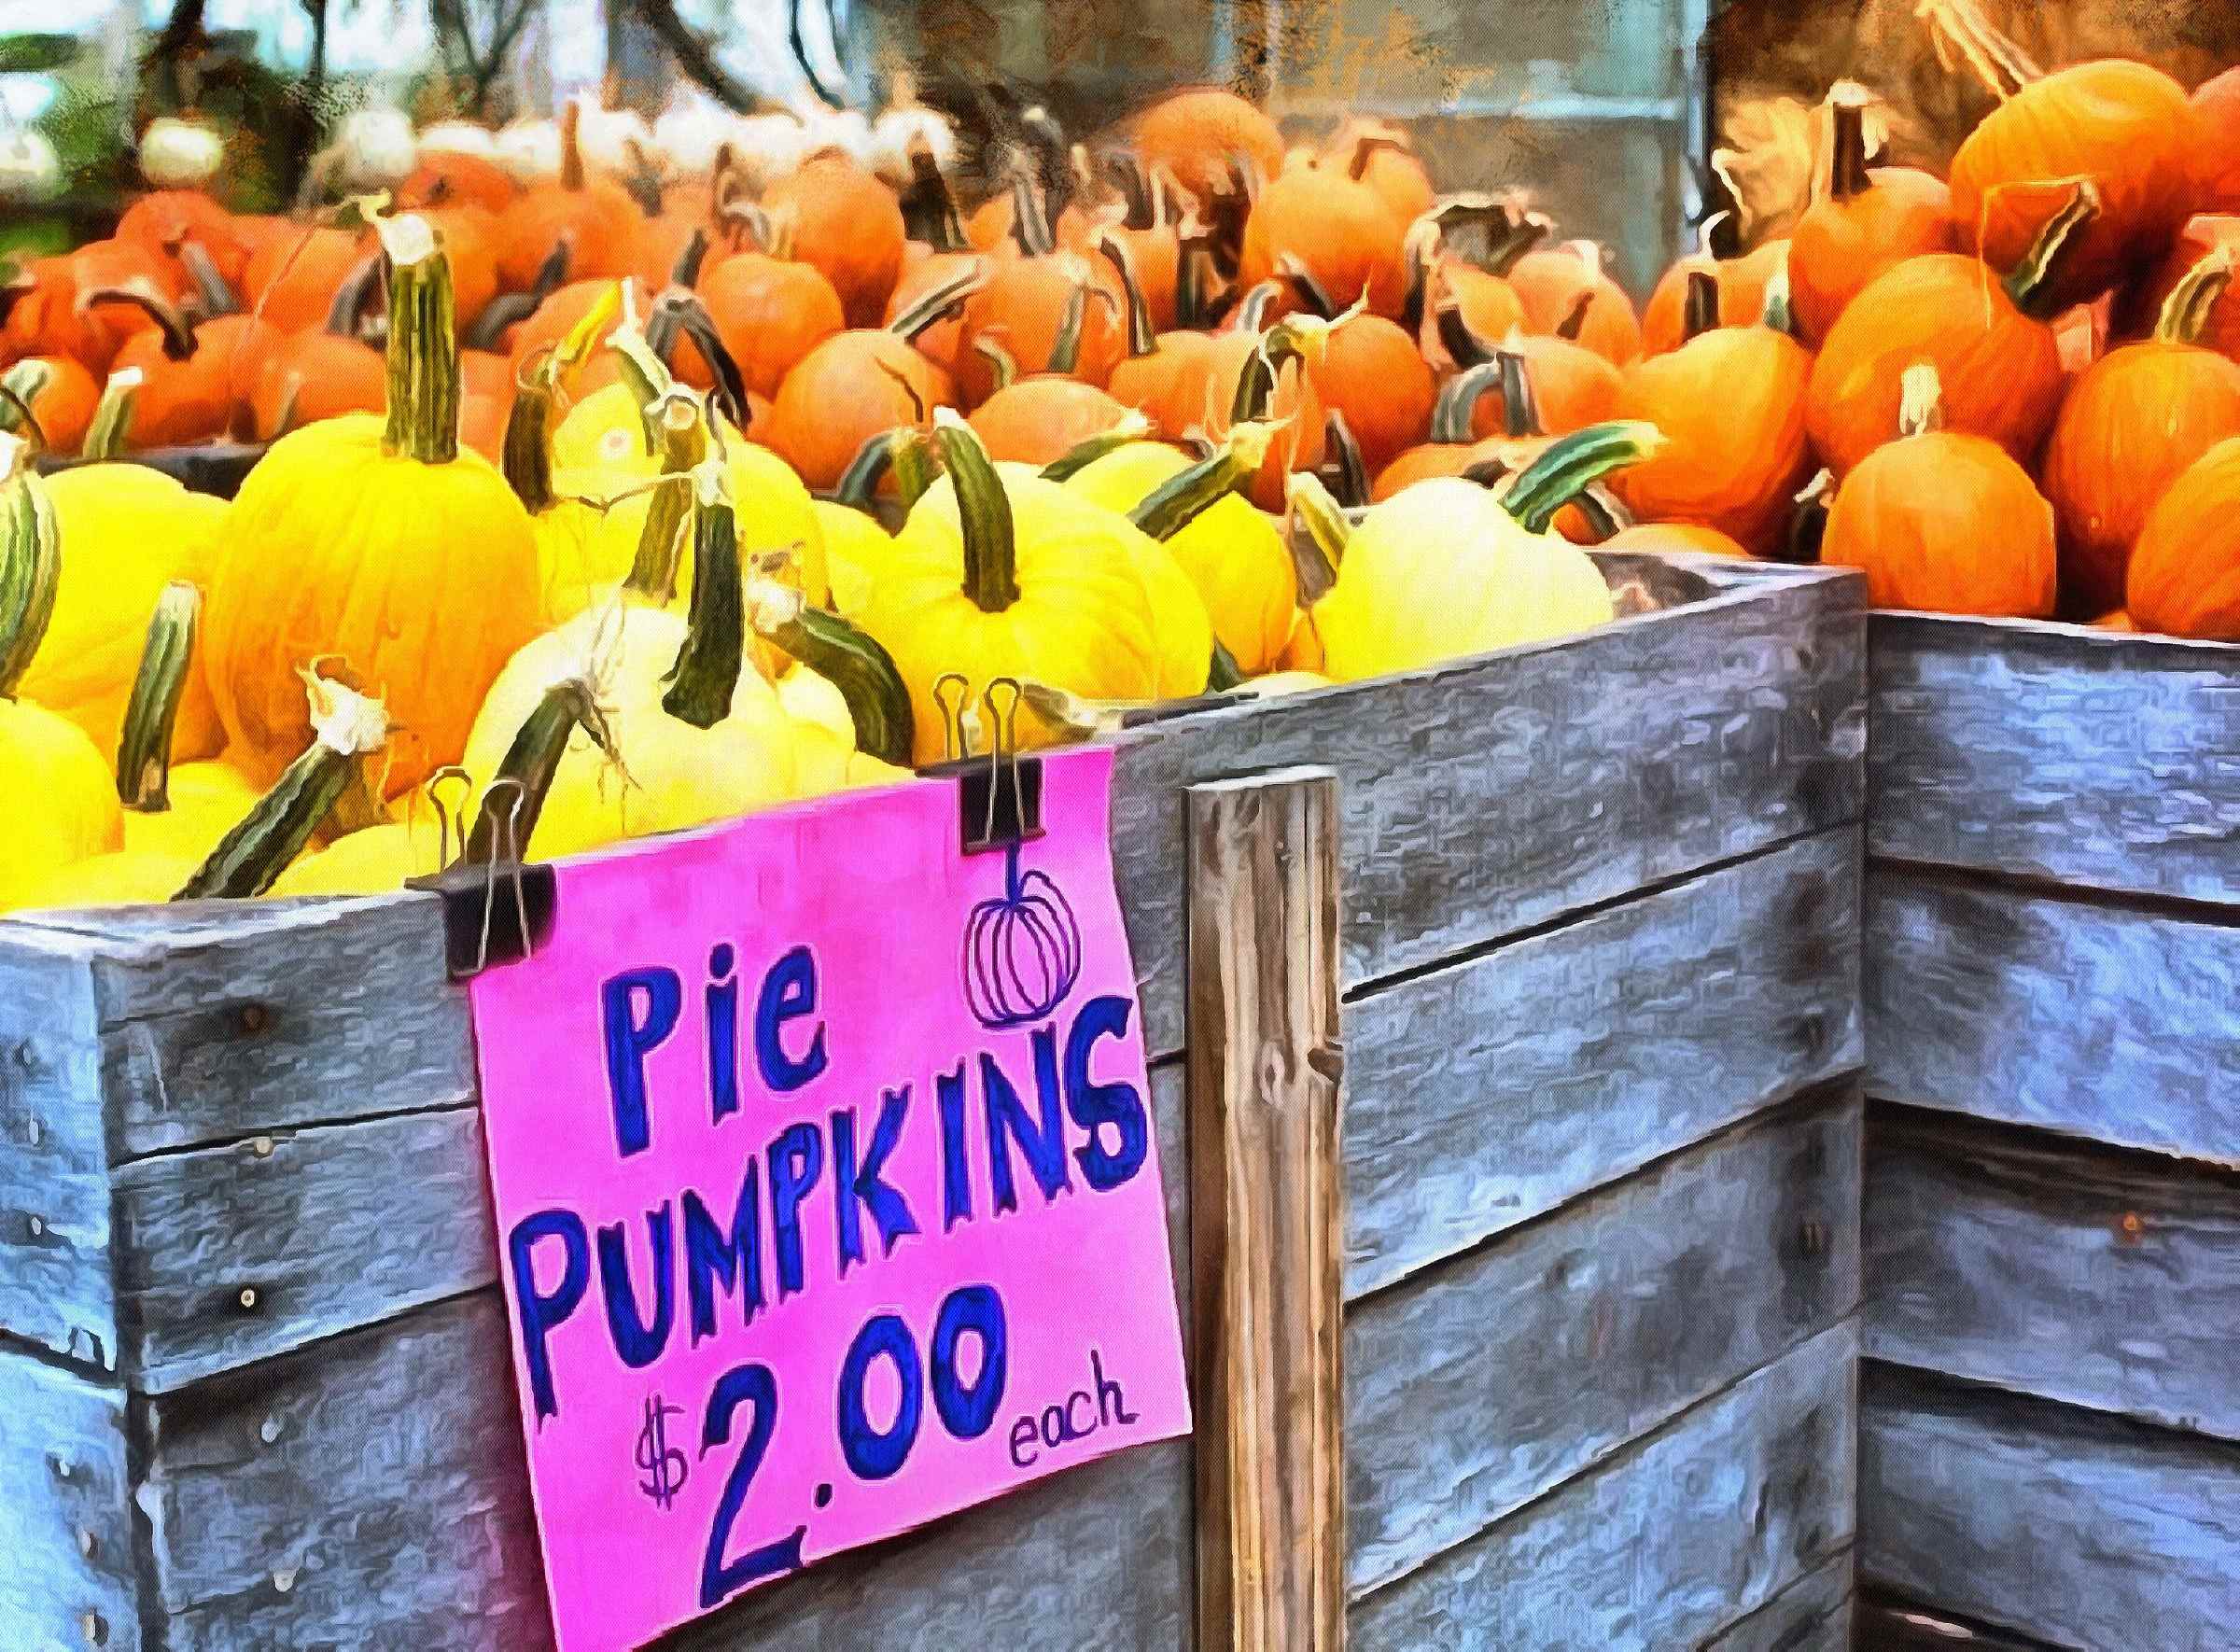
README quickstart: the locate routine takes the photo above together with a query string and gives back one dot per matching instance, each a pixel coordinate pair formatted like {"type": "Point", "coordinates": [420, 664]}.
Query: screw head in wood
{"type": "Point", "coordinates": [95, 1627]}
{"type": "Point", "coordinates": [247, 1298]}
{"type": "Point", "coordinates": [254, 1017]}
{"type": "Point", "coordinates": [87, 1543]}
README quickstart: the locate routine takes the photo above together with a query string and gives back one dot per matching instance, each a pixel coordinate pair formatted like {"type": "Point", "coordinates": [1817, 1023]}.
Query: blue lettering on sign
{"type": "Point", "coordinates": [956, 1172]}
{"type": "Point", "coordinates": [638, 1341]}
{"type": "Point", "coordinates": [540, 1311]}
{"type": "Point", "coordinates": [1097, 1107]}
{"type": "Point", "coordinates": [1081, 1414]}
{"type": "Point", "coordinates": [639, 1008]}
{"type": "Point", "coordinates": [796, 1159]}
{"type": "Point", "coordinates": [1042, 1141]}
{"type": "Point", "coordinates": [732, 1254]}
{"type": "Point", "coordinates": [788, 992]}
{"type": "Point", "coordinates": [967, 1408]}
{"type": "Point", "coordinates": [858, 1187]}
{"type": "Point", "coordinates": [722, 997]}
{"type": "Point", "coordinates": [873, 1455]}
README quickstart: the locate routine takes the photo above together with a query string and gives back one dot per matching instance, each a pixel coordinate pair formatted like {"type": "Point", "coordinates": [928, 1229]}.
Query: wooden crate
{"type": "Point", "coordinates": [1600, 1148]}
{"type": "Point", "coordinates": [2050, 1435]}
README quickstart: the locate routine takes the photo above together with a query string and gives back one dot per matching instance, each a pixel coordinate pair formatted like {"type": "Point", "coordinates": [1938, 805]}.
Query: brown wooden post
{"type": "Point", "coordinates": [1267, 1214]}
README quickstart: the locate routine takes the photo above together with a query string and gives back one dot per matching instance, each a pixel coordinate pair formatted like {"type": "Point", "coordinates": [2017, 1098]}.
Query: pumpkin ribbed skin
{"type": "Point", "coordinates": [371, 860]}
{"type": "Point", "coordinates": [1947, 522]}
{"type": "Point", "coordinates": [1663, 537]}
{"type": "Point", "coordinates": [205, 802]}
{"type": "Point", "coordinates": [849, 226]}
{"type": "Point", "coordinates": [183, 402]}
{"type": "Point", "coordinates": [1023, 307]}
{"type": "Point", "coordinates": [942, 339]}
{"type": "Point", "coordinates": [1372, 372]}
{"type": "Point", "coordinates": [2185, 570]}
{"type": "Point", "coordinates": [770, 313]}
{"type": "Point", "coordinates": [1549, 284]}
{"type": "Point", "coordinates": [1573, 388]}
{"type": "Point", "coordinates": [2216, 172]}
{"type": "Point", "coordinates": [1191, 132]}
{"type": "Point", "coordinates": [127, 531]}
{"type": "Point", "coordinates": [1339, 229]}
{"type": "Point", "coordinates": [1490, 306]}
{"type": "Point", "coordinates": [2123, 125]}
{"type": "Point", "coordinates": [158, 222]}
{"type": "Point", "coordinates": [1743, 282]}
{"type": "Point", "coordinates": [840, 394]}
{"type": "Point", "coordinates": [1842, 244]}
{"type": "Point", "coordinates": [421, 579]}
{"type": "Point", "coordinates": [2000, 369]}
{"type": "Point", "coordinates": [2132, 424]}
{"type": "Point", "coordinates": [63, 401]}
{"type": "Point", "coordinates": [292, 276]}
{"type": "Point", "coordinates": [2141, 304]}
{"type": "Point", "coordinates": [66, 806]}
{"type": "Point", "coordinates": [1732, 404]}
{"type": "Point", "coordinates": [1038, 419]}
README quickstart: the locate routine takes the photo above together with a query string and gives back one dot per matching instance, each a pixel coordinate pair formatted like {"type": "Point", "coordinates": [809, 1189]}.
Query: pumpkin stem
{"type": "Point", "coordinates": [2188, 308]}
{"type": "Point", "coordinates": [1777, 313]}
{"type": "Point", "coordinates": [2030, 282]}
{"type": "Point", "coordinates": [690, 259]}
{"type": "Point", "coordinates": [20, 387]}
{"type": "Point", "coordinates": [1519, 402]}
{"type": "Point", "coordinates": [1703, 312]}
{"type": "Point", "coordinates": [1296, 338]}
{"type": "Point", "coordinates": [1419, 253]}
{"type": "Point", "coordinates": [1575, 323]}
{"type": "Point", "coordinates": [1921, 401]}
{"type": "Point", "coordinates": [678, 312]}
{"type": "Point", "coordinates": [571, 146]}
{"type": "Point", "coordinates": [346, 728]}
{"type": "Point", "coordinates": [423, 348]}
{"type": "Point", "coordinates": [983, 513]}
{"type": "Point", "coordinates": [1808, 523]}
{"type": "Point", "coordinates": [913, 459]}
{"type": "Point", "coordinates": [210, 285]}
{"type": "Point", "coordinates": [849, 658]}
{"type": "Point", "coordinates": [31, 562]}
{"type": "Point", "coordinates": [1569, 463]}
{"type": "Point", "coordinates": [506, 310]}
{"type": "Point", "coordinates": [1195, 277]}
{"type": "Point", "coordinates": [1003, 367]}
{"type": "Point", "coordinates": [1958, 26]}
{"type": "Point", "coordinates": [706, 672]}
{"type": "Point", "coordinates": [1352, 473]}
{"type": "Point", "coordinates": [171, 321]}
{"type": "Point", "coordinates": [680, 440]}
{"type": "Point", "coordinates": [1223, 673]}
{"type": "Point", "coordinates": [527, 455]}
{"type": "Point", "coordinates": [1318, 526]}
{"type": "Point", "coordinates": [1312, 295]}
{"type": "Point", "coordinates": [1454, 415]}
{"type": "Point", "coordinates": [930, 206]}
{"type": "Point", "coordinates": [112, 415]}
{"type": "Point", "coordinates": [1029, 223]}
{"type": "Point", "coordinates": [860, 482]}
{"type": "Point", "coordinates": [507, 818]}
{"type": "Point", "coordinates": [1142, 339]}
{"type": "Point", "coordinates": [1847, 145]}
{"type": "Point", "coordinates": [1129, 427]}
{"type": "Point", "coordinates": [346, 310]}
{"type": "Point", "coordinates": [1183, 498]}
{"type": "Point", "coordinates": [937, 302]}
{"type": "Point", "coordinates": [144, 749]}
{"type": "Point", "coordinates": [1125, 170]}
{"type": "Point", "coordinates": [1252, 308]}
{"type": "Point", "coordinates": [1368, 138]}
{"type": "Point", "coordinates": [1456, 335]}
{"type": "Point", "coordinates": [1065, 348]}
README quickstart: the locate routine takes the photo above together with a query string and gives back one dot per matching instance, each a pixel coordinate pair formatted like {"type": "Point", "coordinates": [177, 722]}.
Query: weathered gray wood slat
{"type": "Point", "coordinates": [1482, 1384]}
{"type": "Point", "coordinates": [2024, 746]}
{"type": "Point", "coordinates": [1664, 1544]}
{"type": "Point", "coordinates": [1488, 1092]}
{"type": "Point", "coordinates": [365, 1492]}
{"type": "Point", "coordinates": [54, 1164]}
{"type": "Point", "coordinates": [231, 1254]}
{"type": "Point", "coordinates": [66, 1547]}
{"type": "Point", "coordinates": [2096, 1277]}
{"type": "Point", "coordinates": [2109, 1023]}
{"type": "Point", "coordinates": [2072, 1526]}
{"type": "Point", "coordinates": [1493, 794]}
{"type": "Point", "coordinates": [1812, 1614]}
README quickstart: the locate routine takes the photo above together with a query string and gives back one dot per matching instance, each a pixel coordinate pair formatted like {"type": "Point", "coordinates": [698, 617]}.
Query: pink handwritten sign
{"type": "Point", "coordinates": [827, 1196]}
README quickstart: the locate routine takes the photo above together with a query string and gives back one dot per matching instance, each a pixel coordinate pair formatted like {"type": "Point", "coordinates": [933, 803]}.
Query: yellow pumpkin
{"type": "Point", "coordinates": [856, 552]}
{"type": "Point", "coordinates": [63, 795]}
{"type": "Point", "coordinates": [371, 860]}
{"type": "Point", "coordinates": [206, 801]}
{"type": "Point", "coordinates": [127, 531]}
{"type": "Point", "coordinates": [1026, 581]}
{"type": "Point", "coordinates": [1234, 553]}
{"type": "Point", "coordinates": [1443, 568]}
{"type": "Point", "coordinates": [122, 877]}
{"type": "Point", "coordinates": [382, 545]}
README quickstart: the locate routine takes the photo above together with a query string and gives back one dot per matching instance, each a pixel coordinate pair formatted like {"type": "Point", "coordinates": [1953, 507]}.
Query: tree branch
{"type": "Point", "coordinates": [696, 58]}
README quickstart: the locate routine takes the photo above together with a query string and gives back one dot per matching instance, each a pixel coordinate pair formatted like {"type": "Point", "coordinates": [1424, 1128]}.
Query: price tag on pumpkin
{"type": "Point", "coordinates": [827, 1196]}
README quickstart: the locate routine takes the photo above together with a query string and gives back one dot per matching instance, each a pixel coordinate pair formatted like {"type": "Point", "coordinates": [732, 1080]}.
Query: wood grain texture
{"type": "Point", "coordinates": [54, 1164]}
{"type": "Point", "coordinates": [2086, 1275]}
{"type": "Point", "coordinates": [2096, 1020]}
{"type": "Point", "coordinates": [1488, 1092]}
{"type": "Point", "coordinates": [1813, 1614]}
{"type": "Point", "coordinates": [1888, 1623]}
{"type": "Point", "coordinates": [2025, 747]}
{"type": "Point", "coordinates": [1266, 1216]}
{"type": "Point", "coordinates": [2071, 1526]}
{"type": "Point", "coordinates": [1489, 1380]}
{"type": "Point", "coordinates": [369, 1492]}
{"type": "Point", "coordinates": [1495, 793]}
{"type": "Point", "coordinates": [231, 1254]}
{"type": "Point", "coordinates": [224, 1020]}
{"type": "Point", "coordinates": [67, 1560]}
{"type": "Point", "coordinates": [1665, 1543]}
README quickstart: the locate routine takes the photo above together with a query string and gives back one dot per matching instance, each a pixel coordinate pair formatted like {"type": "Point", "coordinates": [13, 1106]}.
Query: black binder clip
{"type": "Point", "coordinates": [496, 910]}
{"type": "Point", "coordinates": [998, 800]}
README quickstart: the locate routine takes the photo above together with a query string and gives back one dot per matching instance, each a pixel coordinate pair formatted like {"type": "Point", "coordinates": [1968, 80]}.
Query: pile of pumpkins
{"type": "Point", "coordinates": [1190, 410]}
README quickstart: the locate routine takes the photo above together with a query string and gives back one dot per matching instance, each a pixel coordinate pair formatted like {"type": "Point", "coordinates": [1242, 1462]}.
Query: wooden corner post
{"type": "Point", "coordinates": [1266, 1215]}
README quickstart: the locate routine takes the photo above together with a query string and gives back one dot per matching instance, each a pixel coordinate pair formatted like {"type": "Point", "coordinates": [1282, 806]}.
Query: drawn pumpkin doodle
{"type": "Point", "coordinates": [1022, 949]}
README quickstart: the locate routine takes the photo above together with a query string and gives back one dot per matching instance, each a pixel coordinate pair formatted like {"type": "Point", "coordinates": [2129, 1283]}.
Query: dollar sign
{"type": "Point", "coordinates": [664, 1463]}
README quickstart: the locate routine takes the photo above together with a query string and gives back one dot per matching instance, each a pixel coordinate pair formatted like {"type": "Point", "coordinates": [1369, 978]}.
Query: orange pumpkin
{"type": "Point", "coordinates": [324, 372]}
{"type": "Point", "coordinates": [291, 279]}
{"type": "Point", "coordinates": [856, 385]}
{"type": "Point", "coordinates": [1943, 521]}
{"type": "Point", "coordinates": [1380, 155]}
{"type": "Point", "coordinates": [770, 311]}
{"type": "Point", "coordinates": [2141, 306]}
{"type": "Point", "coordinates": [2217, 173]}
{"type": "Point", "coordinates": [1869, 219]}
{"type": "Point", "coordinates": [1742, 286]}
{"type": "Point", "coordinates": [40, 313]}
{"type": "Point", "coordinates": [193, 378]}
{"type": "Point", "coordinates": [1997, 360]}
{"type": "Point", "coordinates": [849, 226]}
{"type": "Point", "coordinates": [1038, 419]}
{"type": "Point", "coordinates": [168, 223]}
{"type": "Point", "coordinates": [59, 395]}
{"type": "Point", "coordinates": [1565, 292]}
{"type": "Point", "coordinates": [2131, 424]}
{"type": "Point", "coordinates": [2185, 569]}
{"type": "Point", "coordinates": [1192, 133]}
{"type": "Point", "coordinates": [1205, 397]}
{"type": "Point", "coordinates": [1571, 386]}
{"type": "Point", "coordinates": [450, 177]}
{"type": "Point", "coordinates": [2122, 126]}
{"type": "Point", "coordinates": [1503, 378]}
{"type": "Point", "coordinates": [596, 220]}
{"type": "Point", "coordinates": [1338, 228]}
{"type": "Point", "coordinates": [1669, 537]}
{"type": "Point", "coordinates": [1023, 302]}
{"type": "Point", "coordinates": [1731, 402]}
{"type": "Point", "coordinates": [1372, 372]}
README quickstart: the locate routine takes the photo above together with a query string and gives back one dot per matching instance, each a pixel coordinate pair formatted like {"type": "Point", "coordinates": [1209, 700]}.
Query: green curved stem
{"type": "Point", "coordinates": [706, 673]}
{"type": "Point", "coordinates": [507, 818]}
{"type": "Point", "coordinates": [845, 656]}
{"type": "Point", "coordinates": [1568, 464]}
{"type": "Point", "coordinates": [31, 562]}
{"type": "Point", "coordinates": [143, 749]}
{"type": "Point", "coordinates": [423, 348]}
{"type": "Point", "coordinates": [984, 512]}
{"type": "Point", "coordinates": [2030, 282]}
